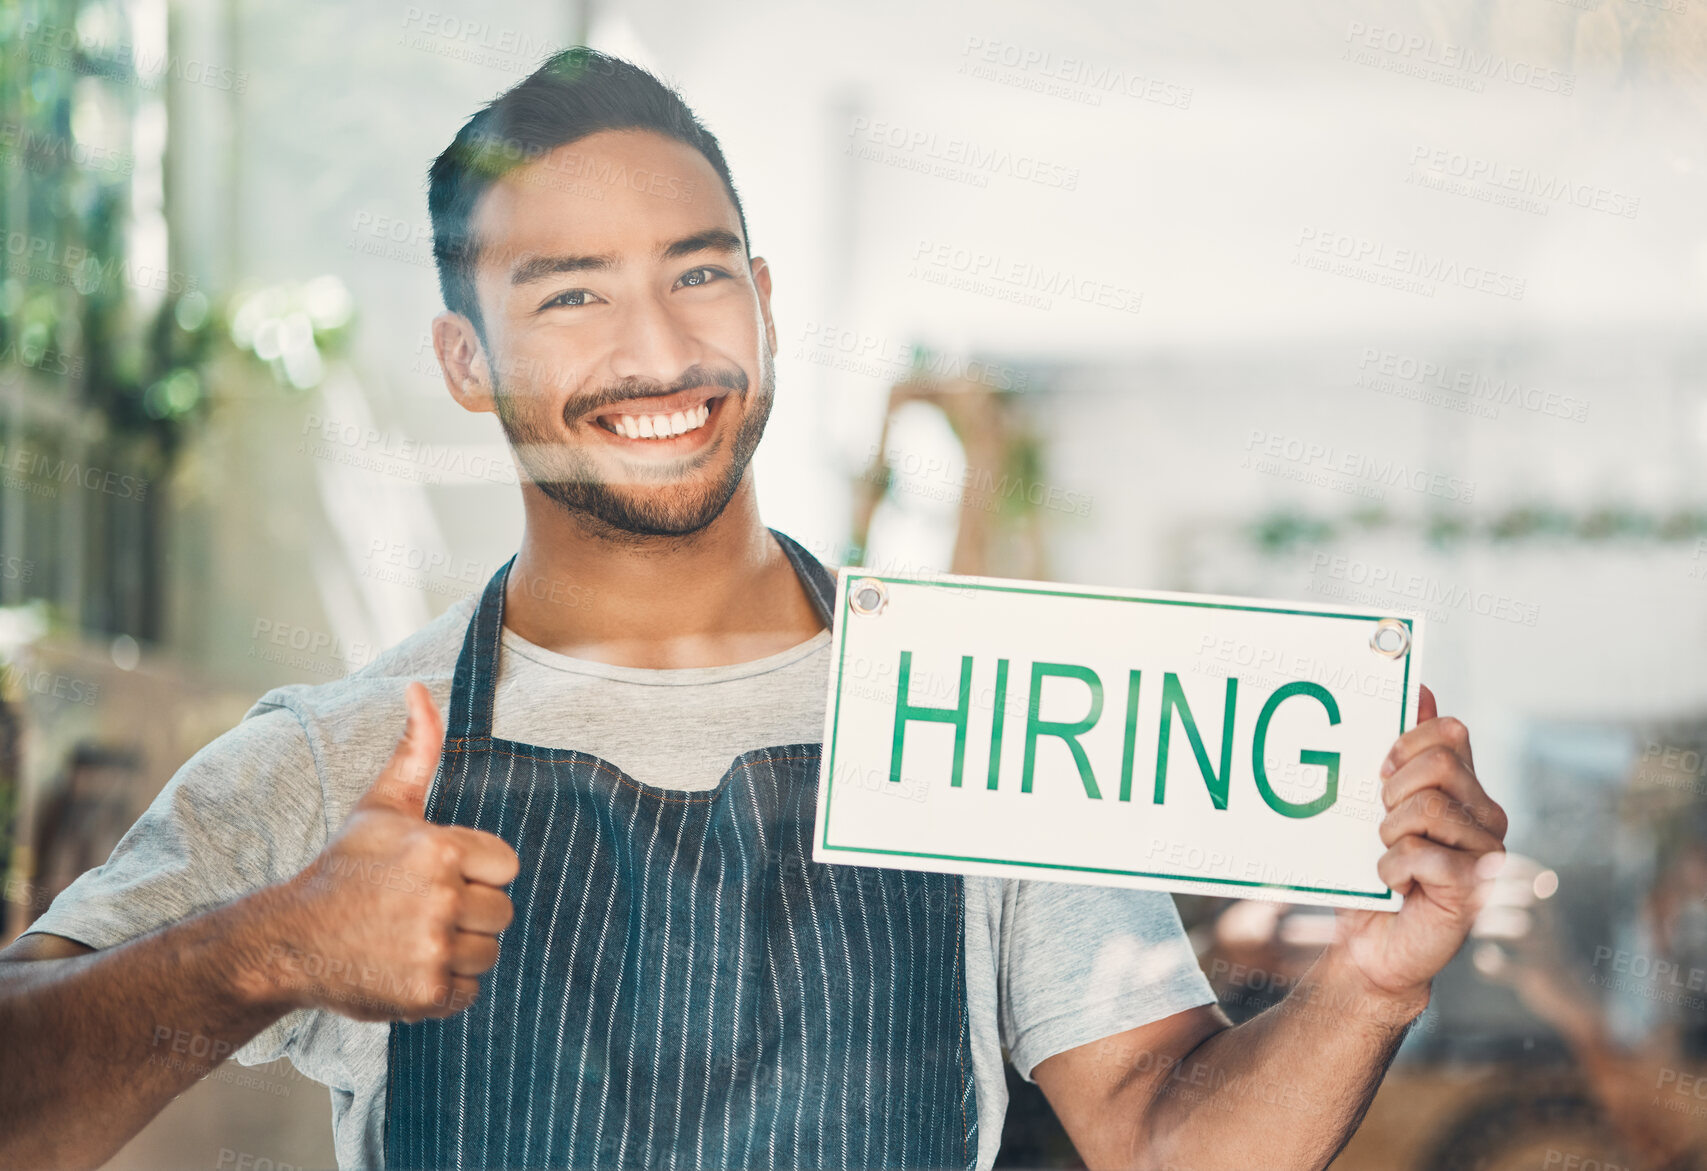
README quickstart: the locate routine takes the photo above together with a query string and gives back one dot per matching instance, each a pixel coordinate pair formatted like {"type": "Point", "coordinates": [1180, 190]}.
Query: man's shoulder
{"type": "Point", "coordinates": [373, 694]}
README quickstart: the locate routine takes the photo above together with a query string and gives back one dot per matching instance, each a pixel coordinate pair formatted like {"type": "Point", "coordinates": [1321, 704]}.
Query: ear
{"type": "Point", "coordinates": [762, 282]}
{"type": "Point", "coordinates": [468, 375]}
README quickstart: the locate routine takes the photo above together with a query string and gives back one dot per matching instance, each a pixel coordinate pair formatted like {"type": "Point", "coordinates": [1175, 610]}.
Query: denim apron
{"type": "Point", "coordinates": [682, 985]}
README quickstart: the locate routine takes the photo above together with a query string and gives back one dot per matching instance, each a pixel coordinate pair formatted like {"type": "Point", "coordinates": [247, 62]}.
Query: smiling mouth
{"type": "Point", "coordinates": [661, 424]}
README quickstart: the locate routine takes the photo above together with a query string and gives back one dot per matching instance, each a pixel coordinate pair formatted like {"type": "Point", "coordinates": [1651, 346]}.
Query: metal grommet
{"type": "Point", "coordinates": [867, 596]}
{"type": "Point", "coordinates": [1390, 638]}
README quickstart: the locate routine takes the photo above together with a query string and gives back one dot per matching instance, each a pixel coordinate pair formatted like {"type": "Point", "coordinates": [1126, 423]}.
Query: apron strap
{"type": "Point", "coordinates": [476, 678]}
{"type": "Point", "coordinates": [820, 586]}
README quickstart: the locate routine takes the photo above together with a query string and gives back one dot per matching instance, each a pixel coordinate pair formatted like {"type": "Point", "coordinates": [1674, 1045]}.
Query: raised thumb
{"type": "Point", "coordinates": [402, 784]}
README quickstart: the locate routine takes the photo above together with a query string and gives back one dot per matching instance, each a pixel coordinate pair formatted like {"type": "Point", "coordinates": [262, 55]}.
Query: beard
{"type": "Point", "coordinates": [655, 501]}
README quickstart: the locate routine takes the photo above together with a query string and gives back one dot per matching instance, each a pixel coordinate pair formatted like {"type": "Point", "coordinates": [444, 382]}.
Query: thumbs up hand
{"type": "Point", "coordinates": [398, 917]}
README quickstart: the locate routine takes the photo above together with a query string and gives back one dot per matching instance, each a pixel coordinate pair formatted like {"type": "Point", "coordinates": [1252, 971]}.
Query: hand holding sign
{"type": "Point", "coordinates": [398, 917]}
{"type": "Point", "coordinates": [1445, 839]}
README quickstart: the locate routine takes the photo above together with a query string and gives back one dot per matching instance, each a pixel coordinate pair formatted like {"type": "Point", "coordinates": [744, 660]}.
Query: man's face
{"type": "Point", "coordinates": [630, 342]}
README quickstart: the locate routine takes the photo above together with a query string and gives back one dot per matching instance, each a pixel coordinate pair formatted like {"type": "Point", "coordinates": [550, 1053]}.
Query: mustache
{"type": "Point", "coordinates": [692, 378]}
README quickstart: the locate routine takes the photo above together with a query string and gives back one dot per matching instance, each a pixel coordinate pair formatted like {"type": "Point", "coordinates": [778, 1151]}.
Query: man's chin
{"type": "Point", "coordinates": [655, 513]}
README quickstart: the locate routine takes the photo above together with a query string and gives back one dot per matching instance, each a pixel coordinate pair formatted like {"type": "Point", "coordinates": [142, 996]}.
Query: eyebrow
{"type": "Point", "coordinates": [538, 268]}
{"type": "Point", "coordinates": [710, 240]}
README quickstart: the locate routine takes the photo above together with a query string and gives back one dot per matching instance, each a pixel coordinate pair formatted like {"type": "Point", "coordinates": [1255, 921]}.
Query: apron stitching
{"type": "Point", "coordinates": [390, 1087]}
{"type": "Point", "coordinates": [711, 1008]}
{"type": "Point", "coordinates": [563, 1006]}
{"type": "Point", "coordinates": [960, 995]}
{"type": "Point", "coordinates": [462, 1081]}
{"type": "Point", "coordinates": [537, 884]}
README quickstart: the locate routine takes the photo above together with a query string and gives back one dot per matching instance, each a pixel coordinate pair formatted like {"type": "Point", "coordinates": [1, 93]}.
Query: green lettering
{"type": "Point", "coordinates": [905, 711]}
{"type": "Point", "coordinates": [1001, 706]}
{"type": "Point", "coordinates": [1174, 697]}
{"type": "Point", "coordinates": [1131, 735]}
{"type": "Point", "coordinates": [1068, 731]}
{"type": "Point", "coordinates": [1331, 760]}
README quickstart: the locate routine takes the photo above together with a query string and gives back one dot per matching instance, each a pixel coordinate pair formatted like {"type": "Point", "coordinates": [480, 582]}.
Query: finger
{"type": "Point", "coordinates": [1430, 813]}
{"type": "Point", "coordinates": [486, 857]}
{"type": "Point", "coordinates": [1427, 708]}
{"type": "Point", "coordinates": [1439, 730]}
{"type": "Point", "coordinates": [1440, 768]}
{"type": "Point", "coordinates": [1446, 873]}
{"type": "Point", "coordinates": [472, 954]}
{"type": "Point", "coordinates": [485, 909]}
{"type": "Point", "coordinates": [402, 784]}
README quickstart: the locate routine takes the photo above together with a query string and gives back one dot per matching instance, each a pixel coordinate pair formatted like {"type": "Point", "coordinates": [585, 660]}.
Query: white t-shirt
{"type": "Point", "coordinates": [1049, 966]}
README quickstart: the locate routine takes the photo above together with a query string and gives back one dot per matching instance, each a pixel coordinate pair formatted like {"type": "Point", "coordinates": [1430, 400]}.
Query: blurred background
{"type": "Point", "coordinates": [1344, 301]}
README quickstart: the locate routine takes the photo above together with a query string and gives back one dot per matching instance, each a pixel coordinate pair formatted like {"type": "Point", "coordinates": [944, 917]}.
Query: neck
{"type": "Point", "coordinates": [726, 594]}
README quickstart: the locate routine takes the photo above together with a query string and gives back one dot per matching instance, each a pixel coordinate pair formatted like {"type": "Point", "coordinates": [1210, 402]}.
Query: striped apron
{"type": "Point", "coordinates": [682, 986]}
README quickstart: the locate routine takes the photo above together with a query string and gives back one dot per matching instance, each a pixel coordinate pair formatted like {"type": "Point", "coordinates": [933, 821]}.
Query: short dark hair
{"type": "Point", "coordinates": [575, 93]}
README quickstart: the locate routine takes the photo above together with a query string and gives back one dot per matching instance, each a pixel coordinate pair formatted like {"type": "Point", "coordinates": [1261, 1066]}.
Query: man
{"type": "Point", "coordinates": [621, 788]}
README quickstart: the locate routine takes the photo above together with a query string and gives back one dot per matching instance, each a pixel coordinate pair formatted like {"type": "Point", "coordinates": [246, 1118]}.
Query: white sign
{"type": "Point", "coordinates": [1187, 742]}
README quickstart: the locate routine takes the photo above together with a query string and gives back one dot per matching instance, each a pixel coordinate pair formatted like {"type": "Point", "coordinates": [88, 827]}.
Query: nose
{"type": "Point", "coordinates": [652, 342]}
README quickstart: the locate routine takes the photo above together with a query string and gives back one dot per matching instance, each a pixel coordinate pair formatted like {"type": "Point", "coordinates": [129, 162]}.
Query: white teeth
{"type": "Point", "coordinates": [661, 426]}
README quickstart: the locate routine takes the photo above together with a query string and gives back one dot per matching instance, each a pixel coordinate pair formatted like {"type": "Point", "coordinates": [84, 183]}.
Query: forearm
{"type": "Point", "coordinates": [97, 1044]}
{"type": "Point", "coordinates": [1285, 1089]}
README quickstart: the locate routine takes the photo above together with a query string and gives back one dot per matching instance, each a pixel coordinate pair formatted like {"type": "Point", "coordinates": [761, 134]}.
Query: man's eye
{"type": "Point", "coordinates": [701, 276]}
{"type": "Point", "coordinates": [571, 299]}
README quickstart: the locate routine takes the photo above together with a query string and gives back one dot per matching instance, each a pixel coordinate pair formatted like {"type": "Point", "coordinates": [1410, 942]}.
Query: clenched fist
{"type": "Point", "coordinates": [398, 917]}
